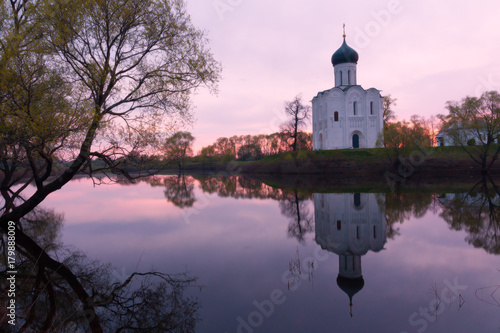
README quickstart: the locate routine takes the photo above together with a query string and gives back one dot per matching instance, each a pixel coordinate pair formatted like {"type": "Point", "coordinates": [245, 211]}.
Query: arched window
{"type": "Point", "coordinates": [339, 225]}
{"type": "Point", "coordinates": [355, 108]}
{"type": "Point", "coordinates": [348, 77]}
{"type": "Point", "coordinates": [340, 78]}
{"type": "Point", "coordinates": [371, 108]}
{"type": "Point", "coordinates": [336, 116]}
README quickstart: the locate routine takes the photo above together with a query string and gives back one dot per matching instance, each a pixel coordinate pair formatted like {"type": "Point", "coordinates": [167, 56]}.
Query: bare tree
{"type": "Point", "coordinates": [388, 113]}
{"type": "Point", "coordinates": [299, 115]}
{"type": "Point", "coordinates": [105, 79]}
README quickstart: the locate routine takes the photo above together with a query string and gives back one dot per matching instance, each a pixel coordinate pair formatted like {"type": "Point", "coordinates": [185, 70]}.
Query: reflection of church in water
{"type": "Point", "coordinates": [349, 224]}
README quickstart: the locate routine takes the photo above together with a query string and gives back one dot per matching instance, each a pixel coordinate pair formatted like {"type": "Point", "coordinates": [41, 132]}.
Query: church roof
{"type": "Point", "coordinates": [350, 286]}
{"type": "Point", "coordinates": [345, 54]}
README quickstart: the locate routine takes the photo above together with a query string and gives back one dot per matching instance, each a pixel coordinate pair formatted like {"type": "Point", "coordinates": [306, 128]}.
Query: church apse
{"type": "Point", "coordinates": [349, 225]}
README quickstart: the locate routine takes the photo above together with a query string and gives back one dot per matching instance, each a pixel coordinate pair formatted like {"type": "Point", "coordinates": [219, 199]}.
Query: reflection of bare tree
{"type": "Point", "coordinates": [179, 190]}
{"type": "Point", "coordinates": [293, 204]}
{"type": "Point", "coordinates": [73, 294]}
{"type": "Point", "coordinates": [477, 212]}
{"type": "Point", "coordinates": [295, 207]}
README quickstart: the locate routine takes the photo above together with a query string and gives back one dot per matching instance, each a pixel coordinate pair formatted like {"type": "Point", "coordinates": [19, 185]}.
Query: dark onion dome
{"type": "Point", "coordinates": [345, 54]}
{"type": "Point", "coordinates": [351, 287]}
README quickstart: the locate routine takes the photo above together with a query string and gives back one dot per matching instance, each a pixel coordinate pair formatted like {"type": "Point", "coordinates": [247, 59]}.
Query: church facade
{"type": "Point", "coordinates": [346, 116]}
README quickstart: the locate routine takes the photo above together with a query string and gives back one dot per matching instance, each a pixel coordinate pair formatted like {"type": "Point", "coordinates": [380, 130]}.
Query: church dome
{"type": "Point", "coordinates": [345, 54]}
{"type": "Point", "coordinates": [350, 286]}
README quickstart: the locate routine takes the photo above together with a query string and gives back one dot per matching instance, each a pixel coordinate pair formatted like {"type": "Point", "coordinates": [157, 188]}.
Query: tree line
{"type": "Point", "coordinates": [177, 147]}
{"type": "Point", "coordinates": [472, 124]}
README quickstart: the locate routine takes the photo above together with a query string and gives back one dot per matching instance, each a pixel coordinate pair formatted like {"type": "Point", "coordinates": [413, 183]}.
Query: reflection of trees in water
{"type": "Point", "coordinates": [477, 212]}
{"type": "Point", "coordinates": [179, 190]}
{"type": "Point", "coordinates": [295, 207]}
{"type": "Point", "coordinates": [72, 293]}
{"type": "Point", "coordinates": [293, 204]}
{"type": "Point", "coordinates": [238, 187]}
{"type": "Point", "coordinates": [401, 206]}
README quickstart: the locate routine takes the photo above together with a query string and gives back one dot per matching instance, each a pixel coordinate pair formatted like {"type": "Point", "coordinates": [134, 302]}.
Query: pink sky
{"type": "Point", "coordinates": [423, 53]}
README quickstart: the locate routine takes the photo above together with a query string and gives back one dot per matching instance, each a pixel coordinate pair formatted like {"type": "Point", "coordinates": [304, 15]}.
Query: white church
{"type": "Point", "coordinates": [346, 116]}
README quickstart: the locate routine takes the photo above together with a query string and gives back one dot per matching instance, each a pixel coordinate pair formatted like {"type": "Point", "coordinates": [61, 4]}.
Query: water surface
{"type": "Point", "coordinates": [294, 260]}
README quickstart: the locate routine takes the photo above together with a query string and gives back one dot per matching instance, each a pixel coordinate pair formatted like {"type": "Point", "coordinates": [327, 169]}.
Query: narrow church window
{"type": "Point", "coordinates": [357, 199]}
{"type": "Point", "coordinates": [340, 78]}
{"type": "Point", "coordinates": [371, 108]}
{"type": "Point", "coordinates": [374, 232]}
{"type": "Point", "coordinates": [349, 77]}
{"type": "Point", "coordinates": [339, 225]}
{"type": "Point", "coordinates": [354, 107]}
{"type": "Point", "coordinates": [357, 232]}
{"type": "Point", "coordinates": [336, 116]}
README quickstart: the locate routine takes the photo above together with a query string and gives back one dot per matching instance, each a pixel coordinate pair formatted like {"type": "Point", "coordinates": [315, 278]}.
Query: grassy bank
{"type": "Point", "coordinates": [368, 164]}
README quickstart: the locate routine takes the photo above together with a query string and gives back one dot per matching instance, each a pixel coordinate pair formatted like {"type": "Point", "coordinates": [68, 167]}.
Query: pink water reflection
{"type": "Point", "coordinates": [240, 250]}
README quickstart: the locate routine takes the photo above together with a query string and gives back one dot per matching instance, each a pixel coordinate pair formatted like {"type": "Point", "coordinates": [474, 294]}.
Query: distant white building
{"type": "Point", "coordinates": [350, 225]}
{"type": "Point", "coordinates": [456, 134]}
{"type": "Point", "coordinates": [346, 116]}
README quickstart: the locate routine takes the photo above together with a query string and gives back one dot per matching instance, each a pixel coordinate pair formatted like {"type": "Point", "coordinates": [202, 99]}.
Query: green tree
{"type": "Point", "coordinates": [178, 146]}
{"type": "Point", "coordinates": [406, 135]}
{"type": "Point", "coordinates": [478, 119]}
{"type": "Point", "coordinates": [402, 138]}
{"type": "Point", "coordinates": [249, 152]}
{"type": "Point", "coordinates": [299, 115]}
{"type": "Point", "coordinates": [85, 80]}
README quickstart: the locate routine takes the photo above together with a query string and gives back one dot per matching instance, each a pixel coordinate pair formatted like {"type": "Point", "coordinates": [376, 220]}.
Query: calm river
{"type": "Point", "coordinates": [273, 260]}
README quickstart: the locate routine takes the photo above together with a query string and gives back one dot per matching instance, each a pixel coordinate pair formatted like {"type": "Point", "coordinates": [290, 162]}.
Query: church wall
{"type": "Point", "coordinates": [336, 128]}
{"type": "Point", "coordinates": [348, 222]}
{"type": "Point", "coordinates": [375, 121]}
{"type": "Point", "coordinates": [366, 123]}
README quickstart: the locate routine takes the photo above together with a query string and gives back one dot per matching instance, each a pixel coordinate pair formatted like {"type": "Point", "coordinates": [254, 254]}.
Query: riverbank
{"type": "Point", "coordinates": [368, 164]}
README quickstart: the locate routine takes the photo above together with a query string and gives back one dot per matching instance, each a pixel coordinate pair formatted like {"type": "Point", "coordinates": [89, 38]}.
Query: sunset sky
{"type": "Point", "coordinates": [423, 53]}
